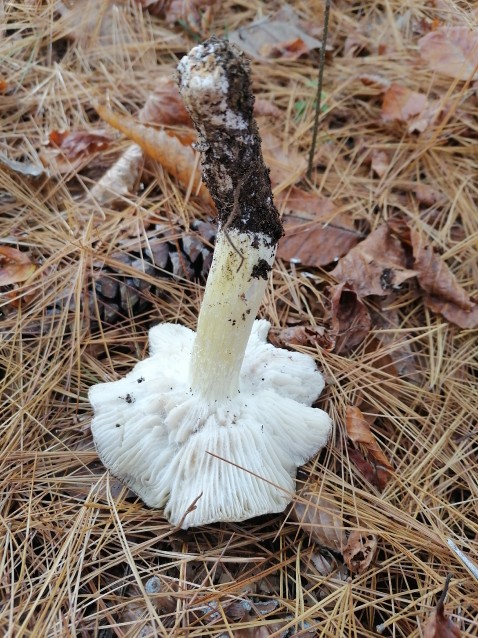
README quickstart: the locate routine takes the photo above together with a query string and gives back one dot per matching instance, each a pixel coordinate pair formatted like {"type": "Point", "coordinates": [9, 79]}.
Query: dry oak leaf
{"type": "Point", "coordinates": [266, 108]}
{"type": "Point", "coordinates": [438, 625]}
{"type": "Point", "coordinates": [360, 551]}
{"type": "Point", "coordinates": [376, 266]}
{"type": "Point", "coordinates": [75, 143]}
{"type": "Point", "coordinates": [291, 49]}
{"type": "Point", "coordinates": [451, 51]}
{"type": "Point", "coordinates": [358, 431]}
{"type": "Point", "coordinates": [444, 293]}
{"type": "Point", "coordinates": [276, 35]}
{"type": "Point", "coordinates": [364, 466]}
{"type": "Point", "coordinates": [312, 336]}
{"type": "Point", "coordinates": [164, 106]}
{"type": "Point", "coordinates": [318, 516]}
{"type": "Point", "coordinates": [15, 266]}
{"type": "Point", "coordinates": [401, 104]}
{"type": "Point", "coordinates": [69, 151]}
{"type": "Point", "coordinates": [315, 233]}
{"type": "Point", "coordinates": [377, 82]}
{"type": "Point", "coordinates": [349, 318]}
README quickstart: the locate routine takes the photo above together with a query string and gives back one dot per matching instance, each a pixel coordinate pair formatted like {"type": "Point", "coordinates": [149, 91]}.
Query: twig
{"type": "Point", "coordinates": [319, 89]}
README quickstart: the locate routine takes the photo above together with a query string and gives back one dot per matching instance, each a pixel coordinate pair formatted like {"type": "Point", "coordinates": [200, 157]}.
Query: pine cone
{"type": "Point", "coordinates": [187, 257]}
{"type": "Point", "coordinates": [119, 295]}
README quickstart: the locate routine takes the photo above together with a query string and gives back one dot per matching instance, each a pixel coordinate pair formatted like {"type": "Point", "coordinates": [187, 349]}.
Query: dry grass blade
{"type": "Point", "coordinates": [77, 550]}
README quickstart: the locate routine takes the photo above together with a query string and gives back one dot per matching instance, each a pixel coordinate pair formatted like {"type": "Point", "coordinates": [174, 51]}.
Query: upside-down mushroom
{"type": "Point", "coordinates": [213, 425]}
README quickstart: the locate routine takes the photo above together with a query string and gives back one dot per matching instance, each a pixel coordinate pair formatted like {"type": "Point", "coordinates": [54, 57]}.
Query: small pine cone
{"type": "Point", "coordinates": [119, 295]}
{"type": "Point", "coordinates": [188, 257]}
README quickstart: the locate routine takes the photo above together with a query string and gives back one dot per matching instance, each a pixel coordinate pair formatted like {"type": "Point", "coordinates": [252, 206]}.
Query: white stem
{"type": "Point", "coordinates": [234, 290]}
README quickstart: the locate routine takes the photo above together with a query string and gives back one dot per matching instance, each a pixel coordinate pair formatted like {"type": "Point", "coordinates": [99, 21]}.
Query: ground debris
{"type": "Point", "coordinates": [401, 104]}
{"type": "Point", "coordinates": [78, 549]}
{"type": "Point", "coordinates": [350, 321]}
{"type": "Point", "coordinates": [443, 292]}
{"type": "Point", "coordinates": [452, 51]}
{"type": "Point", "coordinates": [376, 266]}
{"type": "Point", "coordinates": [316, 234]}
{"type": "Point", "coordinates": [368, 456]}
{"type": "Point", "coordinates": [360, 551]}
{"type": "Point", "coordinates": [319, 517]}
{"type": "Point", "coordinates": [16, 266]}
{"type": "Point", "coordinates": [276, 36]}
{"type": "Point", "coordinates": [438, 624]}
{"type": "Point", "coordinates": [301, 335]}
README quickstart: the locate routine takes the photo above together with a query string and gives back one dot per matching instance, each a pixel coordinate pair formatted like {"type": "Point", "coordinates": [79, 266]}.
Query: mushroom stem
{"type": "Point", "coordinates": [215, 85]}
{"type": "Point", "coordinates": [234, 291]}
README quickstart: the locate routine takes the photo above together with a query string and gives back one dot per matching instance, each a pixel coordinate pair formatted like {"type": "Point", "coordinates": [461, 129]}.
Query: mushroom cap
{"type": "Point", "coordinates": [233, 459]}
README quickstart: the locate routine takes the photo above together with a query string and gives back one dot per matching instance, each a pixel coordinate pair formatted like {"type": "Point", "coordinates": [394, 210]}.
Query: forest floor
{"type": "Point", "coordinates": [376, 278]}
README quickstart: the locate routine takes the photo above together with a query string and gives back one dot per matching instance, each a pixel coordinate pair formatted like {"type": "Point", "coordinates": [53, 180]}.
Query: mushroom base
{"type": "Point", "coordinates": [206, 461]}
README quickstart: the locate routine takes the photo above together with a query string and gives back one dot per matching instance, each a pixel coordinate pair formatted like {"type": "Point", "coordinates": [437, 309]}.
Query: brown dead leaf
{"type": "Point", "coordinates": [312, 336]}
{"type": "Point", "coordinates": [438, 625]}
{"type": "Point", "coordinates": [196, 15]}
{"type": "Point", "coordinates": [360, 551]}
{"type": "Point", "coordinates": [291, 49]}
{"type": "Point", "coordinates": [165, 106]}
{"type": "Point", "coordinates": [315, 234]}
{"type": "Point", "coordinates": [286, 165]}
{"type": "Point", "coordinates": [401, 104]}
{"type": "Point", "coordinates": [278, 35]}
{"type": "Point", "coordinates": [324, 566]}
{"type": "Point", "coordinates": [69, 151]}
{"type": "Point", "coordinates": [444, 293]}
{"type": "Point", "coordinates": [3, 85]}
{"type": "Point", "coordinates": [320, 518]}
{"type": "Point", "coordinates": [358, 431]}
{"type": "Point", "coordinates": [364, 466]}
{"type": "Point", "coordinates": [179, 160]}
{"type": "Point", "coordinates": [427, 195]}
{"type": "Point", "coordinates": [15, 266]}
{"type": "Point", "coordinates": [349, 318]}
{"type": "Point", "coordinates": [75, 143]}
{"type": "Point", "coordinates": [451, 51]}
{"type": "Point", "coordinates": [376, 266]}
{"type": "Point", "coordinates": [121, 178]}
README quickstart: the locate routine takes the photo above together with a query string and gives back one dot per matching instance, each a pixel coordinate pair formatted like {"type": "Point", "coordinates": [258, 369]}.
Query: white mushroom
{"type": "Point", "coordinates": [213, 425]}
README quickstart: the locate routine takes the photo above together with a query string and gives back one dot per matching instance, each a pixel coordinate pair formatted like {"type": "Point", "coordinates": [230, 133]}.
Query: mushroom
{"type": "Point", "coordinates": [213, 425]}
